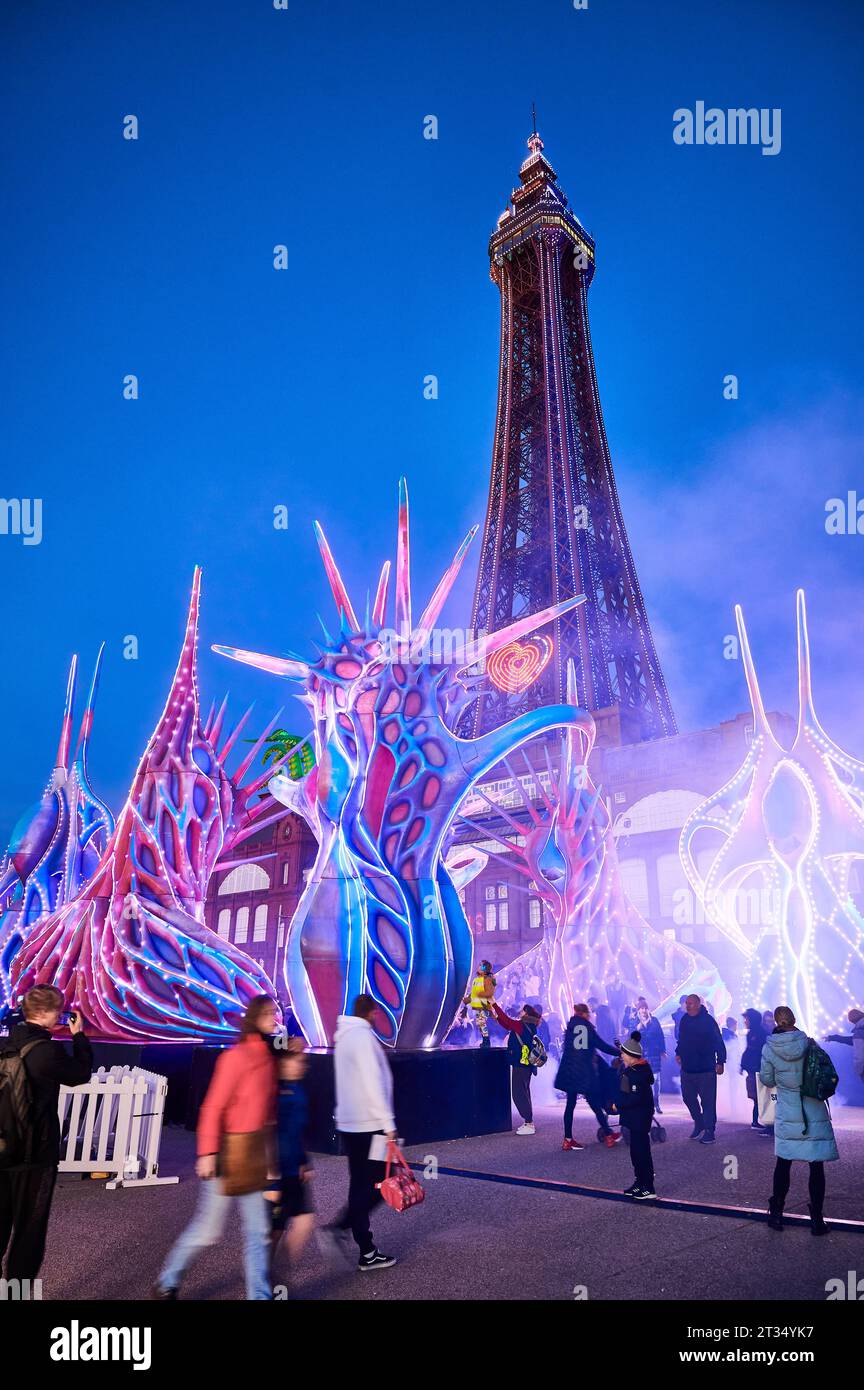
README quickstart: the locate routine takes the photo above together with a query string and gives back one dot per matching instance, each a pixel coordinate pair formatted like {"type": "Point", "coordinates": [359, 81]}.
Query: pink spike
{"type": "Point", "coordinates": [485, 646]}
{"type": "Point", "coordinates": [806, 711]}
{"type": "Point", "coordinates": [379, 612]}
{"type": "Point", "coordinates": [438, 599]}
{"type": "Point", "coordinates": [760, 719]}
{"type": "Point", "coordinates": [62, 762]}
{"type": "Point", "coordinates": [403, 565]}
{"type": "Point", "coordinates": [87, 717]}
{"type": "Point", "coordinates": [216, 731]}
{"type": "Point", "coordinates": [255, 750]}
{"type": "Point", "coordinates": [234, 735]}
{"type": "Point", "coordinates": [209, 719]}
{"type": "Point", "coordinates": [276, 665]}
{"type": "Point", "coordinates": [340, 593]}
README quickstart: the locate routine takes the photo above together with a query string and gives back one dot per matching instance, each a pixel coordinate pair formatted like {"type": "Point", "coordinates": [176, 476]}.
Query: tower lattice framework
{"type": "Point", "coordinates": [554, 526]}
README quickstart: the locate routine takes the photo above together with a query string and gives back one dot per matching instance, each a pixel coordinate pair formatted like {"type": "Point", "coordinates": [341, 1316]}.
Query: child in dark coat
{"type": "Point", "coordinates": [293, 1215]}
{"type": "Point", "coordinates": [636, 1104]}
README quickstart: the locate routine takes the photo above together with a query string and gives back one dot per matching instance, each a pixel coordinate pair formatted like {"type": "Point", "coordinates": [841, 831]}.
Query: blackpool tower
{"type": "Point", "coordinates": [554, 526]}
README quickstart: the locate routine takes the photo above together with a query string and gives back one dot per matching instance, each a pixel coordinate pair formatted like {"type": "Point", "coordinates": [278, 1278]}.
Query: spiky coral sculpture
{"type": "Point", "coordinates": [55, 848]}
{"type": "Point", "coordinates": [380, 914]}
{"type": "Point", "coordinates": [562, 844]}
{"type": "Point", "coordinates": [131, 950]}
{"type": "Point", "coordinates": [791, 822]}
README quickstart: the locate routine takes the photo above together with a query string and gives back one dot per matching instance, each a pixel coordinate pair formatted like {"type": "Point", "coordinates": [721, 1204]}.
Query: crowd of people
{"type": "Point", "coordinates": [251, 1126]}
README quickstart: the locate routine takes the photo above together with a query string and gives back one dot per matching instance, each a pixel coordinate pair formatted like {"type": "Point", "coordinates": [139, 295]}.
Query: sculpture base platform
{"type": "Point", "coordinates": [451, 1094]}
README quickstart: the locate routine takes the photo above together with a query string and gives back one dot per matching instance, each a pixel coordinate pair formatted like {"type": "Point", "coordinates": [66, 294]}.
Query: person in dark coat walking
{"type": "Point", "coordinates": [579, 1074]}
{"type": "Point", "coordinates": [701, 1053]}
{"type": "Point", "coordinates": [26, 1194]}
{"type": "Point", "coordinates": [751, 1059]}
{"type": "Point", "coordinates": [803, 1129]}
{"type": "Point", "coordinates": [636, 1104]}
{"type": "Point", "coordinates": [653, 1046]}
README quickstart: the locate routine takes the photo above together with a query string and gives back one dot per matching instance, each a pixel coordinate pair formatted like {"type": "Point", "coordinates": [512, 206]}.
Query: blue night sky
{"type": "Point", "coordinates": [304, 387]}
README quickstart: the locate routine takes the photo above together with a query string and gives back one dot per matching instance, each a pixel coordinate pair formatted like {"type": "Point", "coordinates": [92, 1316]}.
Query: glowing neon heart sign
{"type": "Point", "coordinates": [513, 668]}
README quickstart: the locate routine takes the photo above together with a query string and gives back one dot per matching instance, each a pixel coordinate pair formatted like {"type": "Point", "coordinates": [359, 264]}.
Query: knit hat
{"type": "Point", "coordinates": [633, 1045]}
{"type": "Point", "coordinates": [530, 1012]}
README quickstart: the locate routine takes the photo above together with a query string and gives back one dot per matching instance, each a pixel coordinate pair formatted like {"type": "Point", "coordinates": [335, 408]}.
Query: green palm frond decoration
{"type": "Point", "coordinates": [279, 744]}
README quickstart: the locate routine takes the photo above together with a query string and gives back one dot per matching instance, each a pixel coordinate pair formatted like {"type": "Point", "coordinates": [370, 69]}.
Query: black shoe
{"type": "Point", "coordinates": [754, 1124]}
{"type": "Point", "coordinates": [775, 1216]}
{"type": "Point", "coordinates": [375, 1260]}
{"type": "Point", "coordinates": [657, 1110]}
{"type": "Point", "coordinates": [632, 1190]}
{"type": "Point", "coordinates": [707, 1137]}
{"type": "Point", "coordinates": [645, 1194]}
{"type": "Point", "coordinates": [818, 1227]}
{"type": "Point", "coordinates": [697, 1130]}
{"type": "Point", "coordinates": [163, 1295]}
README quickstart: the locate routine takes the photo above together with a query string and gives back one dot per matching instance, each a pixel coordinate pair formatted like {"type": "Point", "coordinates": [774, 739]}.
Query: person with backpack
{"type": "Point", "coordinates": [32, 1069]}
{"type": "Point", "coordinates": [526, 1052]}
{"type": "Point", "coordinates": [579, 1074]}
{"type": "Point", "coordinates": [804, 1078]}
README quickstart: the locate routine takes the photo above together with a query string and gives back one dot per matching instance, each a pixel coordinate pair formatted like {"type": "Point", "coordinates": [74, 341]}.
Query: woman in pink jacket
{"type": "Point", "coordinates": [235, 1127]}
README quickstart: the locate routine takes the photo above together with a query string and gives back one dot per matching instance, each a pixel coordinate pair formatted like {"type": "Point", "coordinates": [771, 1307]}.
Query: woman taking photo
{"type": "Point", "coordinates": [235, 1155]}
{"type": "Point", "coordinates": [803, 1127]}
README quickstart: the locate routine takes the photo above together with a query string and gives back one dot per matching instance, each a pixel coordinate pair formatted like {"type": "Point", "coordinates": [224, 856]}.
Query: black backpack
{"type": "Point", "coordinates": [16, 1107]}
{"type": "Point", "coordinates": [819, 1080]}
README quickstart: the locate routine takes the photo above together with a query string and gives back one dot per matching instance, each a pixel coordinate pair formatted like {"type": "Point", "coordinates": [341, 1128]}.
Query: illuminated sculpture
{"type": "Point", "coordinates": [380, 913]}
{"type": "Point", "coordinates": [55, 848]}
{"type": "Point", "coordinates": [792, 827]}
{"type": "Point", "coordinates": [131, 950]}
{"type": "Point", "coordinates": [565, 848]}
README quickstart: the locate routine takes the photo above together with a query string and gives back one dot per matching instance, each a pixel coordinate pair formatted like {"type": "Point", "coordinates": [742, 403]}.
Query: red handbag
{"type": "Point", "coordinates": [400, 1189]}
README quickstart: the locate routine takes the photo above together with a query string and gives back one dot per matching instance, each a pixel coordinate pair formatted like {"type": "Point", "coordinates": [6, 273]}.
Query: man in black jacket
{"type": "Point", "coordinates": [25, 1194]}
{"type": "Point", "coordinates": [701, 1055]}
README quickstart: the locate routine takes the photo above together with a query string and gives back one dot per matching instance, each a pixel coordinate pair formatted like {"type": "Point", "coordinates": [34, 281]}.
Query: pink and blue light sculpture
{"type": "Point", "coordinates": [380, 913]}
{"type": "Point", "coordinates": [791, 830]}
{"type": "Point", "coordinates": [55, 847]}
{"type": "Point", "coordinates": [561, 842]}
{"type": "Point", "coordinates": [131, 950]}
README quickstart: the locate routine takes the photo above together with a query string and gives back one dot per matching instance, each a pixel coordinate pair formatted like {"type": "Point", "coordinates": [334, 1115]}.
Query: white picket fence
{"type": "Point", "coordinates": [113, 1124]}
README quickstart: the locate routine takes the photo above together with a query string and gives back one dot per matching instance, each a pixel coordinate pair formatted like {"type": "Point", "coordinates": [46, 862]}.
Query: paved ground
{"type": "Point", "coordinates": [464, 1240]}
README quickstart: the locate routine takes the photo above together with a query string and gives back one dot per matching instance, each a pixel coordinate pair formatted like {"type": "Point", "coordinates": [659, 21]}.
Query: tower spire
{"type": "Point", "coordinates": [554, 526]}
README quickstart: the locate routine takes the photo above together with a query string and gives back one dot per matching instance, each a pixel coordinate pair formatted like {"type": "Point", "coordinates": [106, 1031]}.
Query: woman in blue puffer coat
{"type": "Point", "coordinates": [803, 1128]}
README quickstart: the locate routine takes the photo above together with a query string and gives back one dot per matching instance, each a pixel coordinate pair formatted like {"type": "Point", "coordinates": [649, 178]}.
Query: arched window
{"type": "Point", "coordinates": [241, 926]}
{"type": "Point", "coordinates": [634, 881]}
{"type": "Point", "coordinates": [259, 925]}
{"type": "Point", "coordinates": [223, 923]}
{"type": "Point", "coordinates": [246, 878]}
{"type": "Point", "coordinates": [671, 879]}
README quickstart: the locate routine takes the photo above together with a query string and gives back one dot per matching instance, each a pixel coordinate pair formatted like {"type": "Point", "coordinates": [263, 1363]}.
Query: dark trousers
{"type": "Point", "coordinates": [25, 1206]}
{"type": "Point", "coordinates": [640, 1157]}
{"type": "Point", "coordinates": [699, 1094]}
{"type": "Point", "coordinates": [521, 1091]}
{"type": "Point", "coordinates": [363, 1195]}
{"type": "Point", "coordinates": [599, 1113]}
{"type": "Point", "coordinates": [782, 1175]}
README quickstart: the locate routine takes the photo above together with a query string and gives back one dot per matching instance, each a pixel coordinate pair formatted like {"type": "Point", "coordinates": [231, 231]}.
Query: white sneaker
{"type": "Point", "coordinates": [527, 1128]}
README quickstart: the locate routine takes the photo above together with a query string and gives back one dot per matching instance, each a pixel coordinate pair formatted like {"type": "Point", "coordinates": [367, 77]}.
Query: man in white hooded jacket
{"type": "Point", "coordinates": [364, 1108]}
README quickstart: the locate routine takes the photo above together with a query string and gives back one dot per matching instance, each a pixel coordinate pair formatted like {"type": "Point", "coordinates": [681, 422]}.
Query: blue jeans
{"type": "Point", "coordinates": [205, 1228]}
